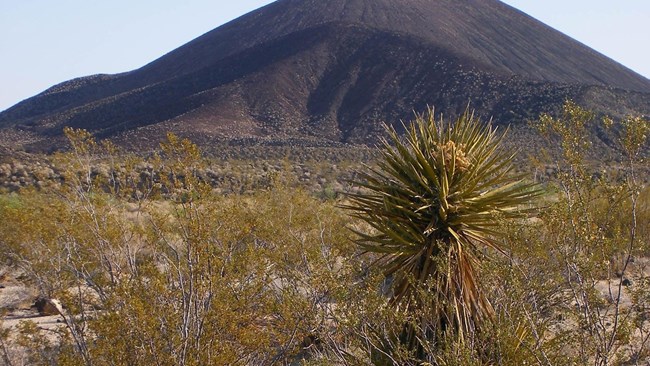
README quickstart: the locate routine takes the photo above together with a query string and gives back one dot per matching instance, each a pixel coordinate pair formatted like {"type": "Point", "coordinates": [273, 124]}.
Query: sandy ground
{"type": "Point", "coordinates": [51, 322]}
{"type": "Point", "coordinates": [17, 303]}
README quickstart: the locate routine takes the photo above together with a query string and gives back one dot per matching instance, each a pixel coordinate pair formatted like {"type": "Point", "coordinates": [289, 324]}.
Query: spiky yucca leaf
{"type": "Point", "coordinates": [434, 202]}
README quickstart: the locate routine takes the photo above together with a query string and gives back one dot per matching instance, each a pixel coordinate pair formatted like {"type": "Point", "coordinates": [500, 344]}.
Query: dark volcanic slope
{"type": "Point", "coordinates": [334, 69]}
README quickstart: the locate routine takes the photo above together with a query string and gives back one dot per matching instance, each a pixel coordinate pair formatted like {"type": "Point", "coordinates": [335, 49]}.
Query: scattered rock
{"type": "Point", "coordinates": [47, 307]}
{"type": "Point", "coordinates": [627, 282]}
{"type": "Point", "coordinates": [310, 340]}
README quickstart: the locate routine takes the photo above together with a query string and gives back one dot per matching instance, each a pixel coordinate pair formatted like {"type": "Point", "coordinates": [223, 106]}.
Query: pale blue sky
{"type": "Point", "coordinates": [44, 42]}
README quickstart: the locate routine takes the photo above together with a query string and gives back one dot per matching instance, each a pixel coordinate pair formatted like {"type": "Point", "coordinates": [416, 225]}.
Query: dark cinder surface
{"type": "Point", "coordinates": [334, 70]}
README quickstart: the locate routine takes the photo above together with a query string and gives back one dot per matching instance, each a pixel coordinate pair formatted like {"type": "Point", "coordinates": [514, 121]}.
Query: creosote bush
{"type": "Point", "coordinates": [155, 266]}
{"type": "Point", "coordinates": [175, 274]}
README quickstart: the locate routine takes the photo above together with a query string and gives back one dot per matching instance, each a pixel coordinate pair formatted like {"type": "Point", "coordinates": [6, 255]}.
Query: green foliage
{"type": "Point", "coordinates": [177, 275]}
{"type": "Point", "coordinates": [581, 250]}
{"type": "Point", "coordinates": [154, 265]}
{"type": "Point", "coordinates": [572, 129]}
{"type": "Point", "coordinates": [434, 203]}
{"type": "Point", "coordinates": [10, 202]}
{"type": "Point", "coordinates": [636, 132]}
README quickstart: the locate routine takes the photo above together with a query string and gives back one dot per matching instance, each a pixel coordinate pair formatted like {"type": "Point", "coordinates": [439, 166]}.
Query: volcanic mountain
{"type": "Point", "coordinates": [332, 71]}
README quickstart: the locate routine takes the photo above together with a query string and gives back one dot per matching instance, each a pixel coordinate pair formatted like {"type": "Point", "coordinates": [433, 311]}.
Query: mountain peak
{"type": "Point", "coordinates": [487, 31]}
{"type": "Point", "coordinates": [334, 69]}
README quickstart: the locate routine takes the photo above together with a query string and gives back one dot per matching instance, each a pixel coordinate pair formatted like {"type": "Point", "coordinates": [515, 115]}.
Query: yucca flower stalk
{"type": "Point", "coordinates": [434, 203]}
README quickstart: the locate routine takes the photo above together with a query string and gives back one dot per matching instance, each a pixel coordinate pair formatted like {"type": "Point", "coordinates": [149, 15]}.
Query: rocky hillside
{"type": "Point", "coordinates": [330, 71]}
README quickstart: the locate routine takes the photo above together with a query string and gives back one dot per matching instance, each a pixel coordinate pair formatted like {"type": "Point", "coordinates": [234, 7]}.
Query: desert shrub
{"type": "Point", "coordinates": [153, 265]}
{"type": "Point", "coordinates": [433, 204]}
{"type": "Point", "coordinates": [178, 275]}
{"type": "Point", "coordinates": [573, 280]}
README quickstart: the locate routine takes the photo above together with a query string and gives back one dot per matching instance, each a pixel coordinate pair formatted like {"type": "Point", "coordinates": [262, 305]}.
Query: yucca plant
{"type": "Point", "coordinates": [434, 203]}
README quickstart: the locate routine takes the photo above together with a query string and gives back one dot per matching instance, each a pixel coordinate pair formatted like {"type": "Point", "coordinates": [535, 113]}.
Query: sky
{"type": "Point", "coordinates": [45, 42]}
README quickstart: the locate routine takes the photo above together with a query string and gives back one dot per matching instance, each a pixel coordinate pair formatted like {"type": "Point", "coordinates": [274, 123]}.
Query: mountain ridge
{"type": "Point", "coordinates": [334, 70]}
{"type": "Point", "coordinates": [440, 27]}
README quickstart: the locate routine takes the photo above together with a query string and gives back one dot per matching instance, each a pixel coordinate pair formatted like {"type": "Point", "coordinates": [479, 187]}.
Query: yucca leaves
{"type": "Point", "coordinates": [433, 203]}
